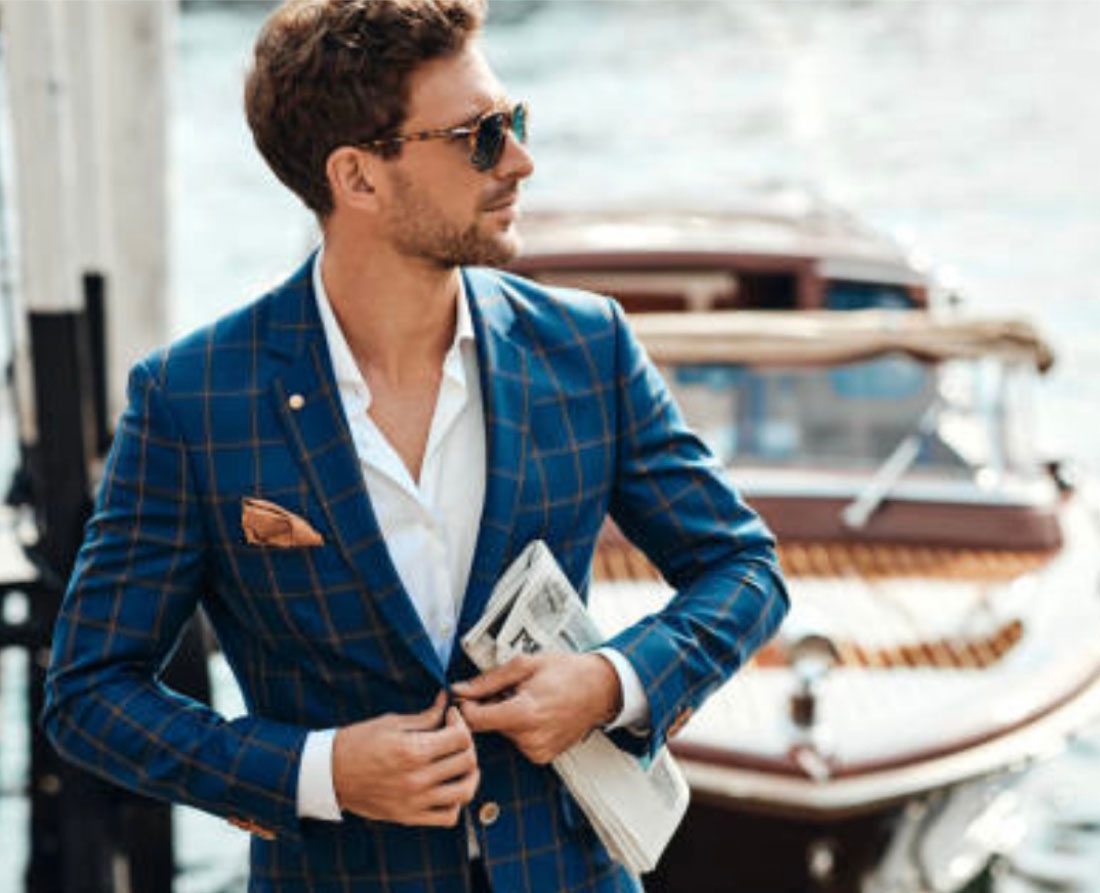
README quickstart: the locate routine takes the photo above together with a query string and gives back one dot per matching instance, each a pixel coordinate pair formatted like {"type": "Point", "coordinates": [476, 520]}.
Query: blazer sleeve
{"type": "Point", "coordinates": [136, 582]}
{"type": "Point", "coordinates": [673, 500]}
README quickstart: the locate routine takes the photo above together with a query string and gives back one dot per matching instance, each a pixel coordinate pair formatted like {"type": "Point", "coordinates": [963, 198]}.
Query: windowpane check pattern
{"type": "Point", "coordinates": [578, 426]}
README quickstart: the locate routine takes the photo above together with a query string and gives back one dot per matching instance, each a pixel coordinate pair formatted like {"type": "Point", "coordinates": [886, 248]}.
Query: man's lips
{"type": "Point", "coordinates": [501, 204]}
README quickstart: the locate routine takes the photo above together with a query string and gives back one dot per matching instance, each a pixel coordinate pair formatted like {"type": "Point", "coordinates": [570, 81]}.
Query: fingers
{"type": "Point", "coordinates": [432, 718]}
{"type": "Point", "coordinates": [450, 767]}
{"type": "Point", "coordinates": [443, 817]}
{"type": "Point", "coordinates": [452, 783]}
{"type": "Point", "coordinates": [517, 718]}
{"type": "Point", "coordinates": [498, 680]}
{"type": "Point", "coordinates": [454, 718]}
{"type": "Point", "coordinates": [416, 769]}
{"type": "Point", "coordinates": [455, 793]}
{"type": "Point", "coordinates": [502, 716]}
{"type": "Point", "coordinates": [453, 738]}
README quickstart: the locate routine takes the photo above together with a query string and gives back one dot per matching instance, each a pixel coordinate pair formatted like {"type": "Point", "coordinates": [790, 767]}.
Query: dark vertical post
{"type": "Point", "coordinates": [85, 833]}
{"type": "Point", "coordinates": [95, 305]}
{"type": "Point", "coordinates": [61, 362]}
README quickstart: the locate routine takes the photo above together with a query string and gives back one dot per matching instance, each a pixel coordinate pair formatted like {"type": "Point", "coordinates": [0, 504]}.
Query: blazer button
{"type": "Point", "coordinates": [488, 813]}
{"type": "Point", "coordinates": [296, 401]}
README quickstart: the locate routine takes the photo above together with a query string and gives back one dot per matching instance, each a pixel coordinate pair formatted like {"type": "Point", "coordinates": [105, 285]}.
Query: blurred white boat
{"type": "Point", "coordinates": [944, 577]}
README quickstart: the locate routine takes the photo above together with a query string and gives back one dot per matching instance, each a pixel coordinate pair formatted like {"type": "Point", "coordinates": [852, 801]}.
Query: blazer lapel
{"type": "Point", "coordinates": [307, 403]}
{"type": "Point", "coordinates": [504, 388]}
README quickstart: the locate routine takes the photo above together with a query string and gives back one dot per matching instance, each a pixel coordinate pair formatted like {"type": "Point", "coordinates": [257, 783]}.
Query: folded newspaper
{"type": "Point", "coordinates": [634, 804]}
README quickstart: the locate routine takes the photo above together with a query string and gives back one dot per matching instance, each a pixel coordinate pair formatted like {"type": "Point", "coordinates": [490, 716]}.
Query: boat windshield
{"type": "Point", "coordinates": [852, 417]}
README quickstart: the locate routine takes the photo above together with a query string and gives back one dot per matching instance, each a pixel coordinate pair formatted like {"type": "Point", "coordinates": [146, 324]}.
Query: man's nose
{"type": "Point", "coordinates": [516, 162]}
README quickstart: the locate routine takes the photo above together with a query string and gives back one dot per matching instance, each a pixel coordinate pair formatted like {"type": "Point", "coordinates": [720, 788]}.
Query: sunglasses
{"type": "Point", "coordinates": [486, 135]}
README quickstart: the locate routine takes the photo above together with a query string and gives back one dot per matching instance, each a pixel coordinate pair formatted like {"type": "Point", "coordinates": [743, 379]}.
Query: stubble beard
{"type": "Point", "coordinates": [419, 229]}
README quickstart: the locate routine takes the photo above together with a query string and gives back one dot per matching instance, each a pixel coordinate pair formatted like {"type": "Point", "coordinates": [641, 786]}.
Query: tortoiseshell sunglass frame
{"type": "Point", "coordinates": [509, 117]}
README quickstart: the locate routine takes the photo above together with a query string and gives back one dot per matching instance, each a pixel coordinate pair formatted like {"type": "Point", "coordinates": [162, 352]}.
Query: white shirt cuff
{"type": "Point", "coordinates": [316, 792]}
{"type": "Point", "coordinates": [635, 712]}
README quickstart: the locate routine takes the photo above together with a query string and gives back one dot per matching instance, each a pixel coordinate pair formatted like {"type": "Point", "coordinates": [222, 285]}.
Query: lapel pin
{"type": "Point", "coordinates": [296, 401]}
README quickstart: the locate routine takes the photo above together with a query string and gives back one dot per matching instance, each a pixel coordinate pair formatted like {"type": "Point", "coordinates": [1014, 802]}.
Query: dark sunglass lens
{"type": "Point", "coordinates": [490, 142]}
{"type": "Point", "coordinates": [519, 122]}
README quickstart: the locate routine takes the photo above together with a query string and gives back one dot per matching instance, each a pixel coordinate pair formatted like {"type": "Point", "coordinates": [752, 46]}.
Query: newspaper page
{"type": "Point", "coordinates": [634, 805]}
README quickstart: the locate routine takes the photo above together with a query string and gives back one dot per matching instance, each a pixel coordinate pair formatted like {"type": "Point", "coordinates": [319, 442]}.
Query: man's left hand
{"type": "Point", "coordinates": [545, 703]}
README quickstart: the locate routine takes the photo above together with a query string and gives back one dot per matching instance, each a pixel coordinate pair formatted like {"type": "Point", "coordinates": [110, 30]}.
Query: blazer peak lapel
{"type": "Point", "coordinates": [505, 392]}
{"type": "Point", "coordinates": [307, 403]}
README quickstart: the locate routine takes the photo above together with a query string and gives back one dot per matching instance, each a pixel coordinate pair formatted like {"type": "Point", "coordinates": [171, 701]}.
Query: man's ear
{"type": "Point", "coordinates": [351, 177]}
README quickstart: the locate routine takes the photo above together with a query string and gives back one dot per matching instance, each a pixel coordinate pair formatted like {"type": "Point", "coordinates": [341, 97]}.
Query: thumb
{"type": "Point", "coordinates": [497, 680]}
{"type": "Point", "coordinates": [454, 718]}
{"type": "Point", "coordinates": [430, 719]}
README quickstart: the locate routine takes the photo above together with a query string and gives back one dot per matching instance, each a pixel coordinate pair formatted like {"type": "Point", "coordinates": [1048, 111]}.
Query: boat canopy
{"type": "Point", "coordinates": [785, 223]}
{"type": "Point", "coordinates": [830, 338]}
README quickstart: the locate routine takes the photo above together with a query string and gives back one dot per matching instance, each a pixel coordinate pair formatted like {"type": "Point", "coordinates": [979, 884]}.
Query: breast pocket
{"type": "Point", "coordinates": [284, 572]}
{"type": "Point", "coordinates": [278, 554]}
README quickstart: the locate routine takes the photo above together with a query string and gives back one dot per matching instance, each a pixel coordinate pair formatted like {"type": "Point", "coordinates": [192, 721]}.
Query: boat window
{"type": "Point", "coordinates": [667, 290]}
{"type": "Point", "coordinates": [849, 295]}
{"type": "Point", "coordinates": [891, 378]}
{"type": "Point", "coordinates": [988, 416]}
{"type": "Point", "coordinates": [850, 417]}
{"type": "Point", "coordinates": [768, 291]}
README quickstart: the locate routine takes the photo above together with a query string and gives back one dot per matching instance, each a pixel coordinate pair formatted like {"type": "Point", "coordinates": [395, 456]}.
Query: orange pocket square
{"type": "Point", "coordinates": [251, 827]}
{"type": "Point", "coordinates": [268, 524]}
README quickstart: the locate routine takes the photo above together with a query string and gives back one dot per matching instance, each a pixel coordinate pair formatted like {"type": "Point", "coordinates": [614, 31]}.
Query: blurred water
{"type": "Point", "coordinates": [972, 128]}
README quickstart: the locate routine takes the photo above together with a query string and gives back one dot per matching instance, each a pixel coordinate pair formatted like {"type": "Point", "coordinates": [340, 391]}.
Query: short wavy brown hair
{"type": "Point", "coordinates": [331, 73]}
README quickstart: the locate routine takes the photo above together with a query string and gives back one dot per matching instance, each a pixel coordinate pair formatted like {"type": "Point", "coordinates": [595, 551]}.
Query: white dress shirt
{"type": "Point", "coordinates": [429, 526]}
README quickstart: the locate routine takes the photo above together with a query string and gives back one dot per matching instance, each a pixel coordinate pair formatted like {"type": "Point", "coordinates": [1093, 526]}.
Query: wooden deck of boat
{"type": "Point", "coordinates": [617, 560]}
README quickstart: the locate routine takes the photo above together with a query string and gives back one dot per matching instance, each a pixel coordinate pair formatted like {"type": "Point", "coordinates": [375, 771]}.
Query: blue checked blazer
{"type": "Point", "coordinates": [579, 425]}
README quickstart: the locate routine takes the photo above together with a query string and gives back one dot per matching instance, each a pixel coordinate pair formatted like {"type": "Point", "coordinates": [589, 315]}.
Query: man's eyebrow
{"type": "Point", "coordinates": [487, 106]}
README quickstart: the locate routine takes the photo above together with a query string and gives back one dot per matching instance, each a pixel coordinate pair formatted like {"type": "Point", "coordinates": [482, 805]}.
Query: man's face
{"type": "Point", "coordinates": [436, 206]}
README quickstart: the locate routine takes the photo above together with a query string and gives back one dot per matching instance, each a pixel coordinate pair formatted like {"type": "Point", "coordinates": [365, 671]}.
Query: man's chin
{"type": "Point", "coordinates": [478, 246]}
{"type": "Point", "coordinates": [495, 249]}
{"type": "Point", "coordinates": [510, 245]}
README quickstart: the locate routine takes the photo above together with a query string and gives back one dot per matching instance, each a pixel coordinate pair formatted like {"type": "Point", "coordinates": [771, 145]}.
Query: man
{"type": "Point", "coordinates": [338, 474]}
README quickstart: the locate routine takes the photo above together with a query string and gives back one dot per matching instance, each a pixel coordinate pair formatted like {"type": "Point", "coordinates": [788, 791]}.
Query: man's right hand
{"type": "Point", "coordinates": [410, 769]}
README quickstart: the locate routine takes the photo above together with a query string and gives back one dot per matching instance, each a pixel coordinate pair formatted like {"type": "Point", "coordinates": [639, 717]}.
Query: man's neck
{"type": "Point", "coordinates": [398, 315]}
